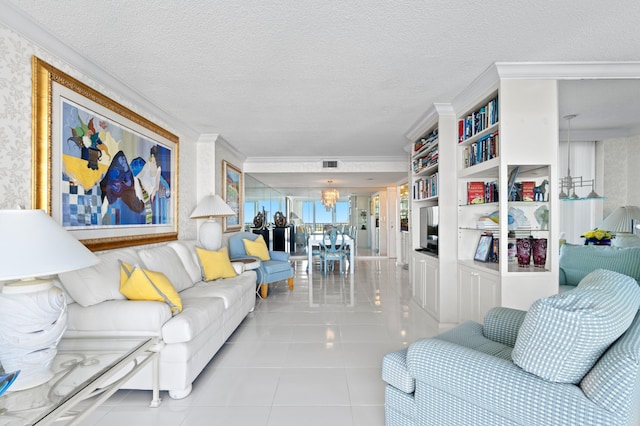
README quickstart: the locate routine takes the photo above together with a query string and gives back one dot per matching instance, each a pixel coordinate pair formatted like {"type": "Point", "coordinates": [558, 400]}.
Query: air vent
{"type": "Point", "coordinates": [329, 164]}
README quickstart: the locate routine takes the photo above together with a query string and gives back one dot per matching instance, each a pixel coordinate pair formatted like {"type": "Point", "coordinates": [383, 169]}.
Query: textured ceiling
{"type": "Point", "coordinates": [324, 79]}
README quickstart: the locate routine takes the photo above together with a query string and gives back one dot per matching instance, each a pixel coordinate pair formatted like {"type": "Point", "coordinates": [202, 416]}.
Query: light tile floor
{"type": "Point", "coordinates": [308, 357]}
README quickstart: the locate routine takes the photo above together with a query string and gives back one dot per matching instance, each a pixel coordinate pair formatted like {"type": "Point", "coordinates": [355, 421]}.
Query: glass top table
{"type": "Point", "coordinates": [83, 368]}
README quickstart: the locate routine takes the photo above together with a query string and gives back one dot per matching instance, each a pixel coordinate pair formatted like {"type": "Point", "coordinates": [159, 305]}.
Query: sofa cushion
{"type": "Point", "coordinates": [563, 336]}
{"type": "Point", "coordinates": [231, 290]}
{"type": "Point", "coordinates": [257, 248]}
{"type": "Point", "coordinates": [577, 261]}
{"type": "Point", "coordinates": [215, 264]}
{"type": "Point", "coordinates": [117, 317]}
{"type": "Point", "coordinates": [197, 314]}
{"type": "Point", "coordinates": [470, 335]}
{"type": "Point", "coordinates": [186, 250]}
{"type": "Point", "coordinates": [166, 260]}
{"type": "Point", "coordinates": [100, 282]}
{"type": "Point", "coordinates": [137, 283]}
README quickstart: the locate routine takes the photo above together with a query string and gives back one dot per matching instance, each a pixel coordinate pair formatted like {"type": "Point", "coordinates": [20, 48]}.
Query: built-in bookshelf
{"type": "Point", "coordinates": [505, 157]}
{"type": "Point", "coordinates": [424, 166]}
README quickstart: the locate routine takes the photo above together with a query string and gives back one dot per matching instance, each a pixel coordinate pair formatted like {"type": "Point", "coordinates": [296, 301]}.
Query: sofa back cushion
{"type": "Point", "coordinates": [577, 261]}
{"type": "Point", "coordinates": [100, 282]}
{"type": "Point", "coordinates": [563, 336]}
{"type": "Point", "coordinates": [165, 259]}
{"type": "Point", "coordinates": [186, 251]}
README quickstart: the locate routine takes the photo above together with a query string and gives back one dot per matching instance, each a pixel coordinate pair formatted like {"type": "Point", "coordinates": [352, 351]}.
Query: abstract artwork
{"type": "Point", "coordinates": [112, 176]}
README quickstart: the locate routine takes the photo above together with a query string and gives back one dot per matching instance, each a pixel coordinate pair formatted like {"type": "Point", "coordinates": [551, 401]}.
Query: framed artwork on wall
{"type": "Point", "coordinates": [232, 195]}
{"type": "Point", "coordinates": [103, 172]}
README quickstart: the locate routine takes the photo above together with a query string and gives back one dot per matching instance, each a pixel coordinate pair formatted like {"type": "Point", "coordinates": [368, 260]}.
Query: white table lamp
{"type": "Point", "coordinates": [622, 222]}
{"type": "Point", "coordinates": [211, 207]}
{"type": "Point", "coordinates": [34, 311]}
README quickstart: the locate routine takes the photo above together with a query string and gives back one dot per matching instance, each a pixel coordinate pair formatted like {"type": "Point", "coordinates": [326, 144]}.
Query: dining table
{"type": "Point", "coordinates": [316, 238]}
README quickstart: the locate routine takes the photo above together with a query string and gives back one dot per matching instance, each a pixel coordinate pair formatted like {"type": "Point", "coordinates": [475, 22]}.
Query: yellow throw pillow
{"type": "Point", "coordinates": [215, 264]}
{"type": "Point", "coordinates": [141, 284]}
{"type": "Point", "coordinates": [257, 248]}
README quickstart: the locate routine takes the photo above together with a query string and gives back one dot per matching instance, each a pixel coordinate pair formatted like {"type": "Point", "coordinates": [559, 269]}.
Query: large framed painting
{"type": "Point", "coordinates": [106, 174]}
{"type": "Point", "coordinates": [232, 194]}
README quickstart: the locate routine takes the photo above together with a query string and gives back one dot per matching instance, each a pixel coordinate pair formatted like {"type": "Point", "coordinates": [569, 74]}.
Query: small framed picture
{"type": "Point", "coordinates": [485, 246]}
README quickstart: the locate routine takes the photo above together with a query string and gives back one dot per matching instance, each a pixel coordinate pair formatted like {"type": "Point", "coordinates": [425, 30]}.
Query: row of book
{"type": "Point", "coordinates": [477, 121]}
{"type": "Point", "coordinates": [484, 149]}
{"type": "Point", "coordinates": [487, 192]}
{"type": "Point", "coordinates": [426, 187]}
{"type": "Point", "coordinates": [428, 139]}
{"type": "Point", "coordinates": [426, 161]}
{"type": "Point", "coordinates": [482, 192]}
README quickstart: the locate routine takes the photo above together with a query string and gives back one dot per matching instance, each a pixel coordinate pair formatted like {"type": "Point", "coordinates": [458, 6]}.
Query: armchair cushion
{"type": "Point", "coordinates": [257, 248]}
{"type": "Point", "coordinates": [576, 261]}
{"type": "Point", "coordinates": [564, 335]}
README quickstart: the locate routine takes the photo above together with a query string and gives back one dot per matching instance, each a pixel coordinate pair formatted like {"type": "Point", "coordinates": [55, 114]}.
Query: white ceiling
{"type": "Point", "coordinates": [336, 79]}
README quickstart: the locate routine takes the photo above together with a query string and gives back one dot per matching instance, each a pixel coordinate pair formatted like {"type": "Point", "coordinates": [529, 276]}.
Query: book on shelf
{"type": "Point", "coordinates": [527, 190]}
{"type": "Point", "coordinates": [426, 187]}
{"type": "Point", "coordinates": [486, 148]}
{"type": "Point", "coordinates": [477, 121]}
{"type": "Point", "coordinates": [482, 192]}
{"type": "Point", "coordinates": [428, 139]}
{"type": "Point", "coordinates": [475, 192]}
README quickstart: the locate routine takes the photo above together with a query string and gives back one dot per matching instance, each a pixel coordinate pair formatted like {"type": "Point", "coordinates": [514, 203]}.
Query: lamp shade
{"type": "Point", "coordinates": [32, 244]}
{"type": "Point", "coordinates": [622, 219]}
{"type": "Point", "coordinates": [212, 206]}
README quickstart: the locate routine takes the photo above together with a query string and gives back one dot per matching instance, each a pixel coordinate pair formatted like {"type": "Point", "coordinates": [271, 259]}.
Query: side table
{"type": "Point", "coordinates": [253, 263]}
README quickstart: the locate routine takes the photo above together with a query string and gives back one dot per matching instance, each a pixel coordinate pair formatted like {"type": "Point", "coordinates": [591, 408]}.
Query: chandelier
{"type": "Point", "coordinates": [329, 197]}
{"type": "Point", "coordinates": [570, 183]}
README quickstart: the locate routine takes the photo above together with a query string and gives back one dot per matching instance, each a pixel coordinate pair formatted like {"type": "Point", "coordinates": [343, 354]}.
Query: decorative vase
{"type": "Point", "coordinates": [597, 242]}
{"type": "Point", "coordinates": [523, 247]}
{"type": "Point", "coordinates": [539, 252]}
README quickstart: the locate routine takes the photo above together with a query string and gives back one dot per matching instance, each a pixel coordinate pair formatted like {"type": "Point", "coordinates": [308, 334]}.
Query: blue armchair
{"type": "Point", "coordinates": [548, 366]}
{"type": "Point", "coordinates": [270, 271]}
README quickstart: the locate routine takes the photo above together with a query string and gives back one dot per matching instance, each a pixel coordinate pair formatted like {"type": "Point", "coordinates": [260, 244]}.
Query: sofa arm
{"type": "Point", "coordinates": [502, 325]}
{"type": "Point", "coordinates": [499, 386]}
{"type": "Point", "coordinates": [279, 255]}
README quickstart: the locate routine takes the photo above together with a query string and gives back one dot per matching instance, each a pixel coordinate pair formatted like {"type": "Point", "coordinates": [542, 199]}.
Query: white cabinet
{"type": "Point", "coordinates": [425, 271]}
{"type": "Point", "coordinates": [478, 290]}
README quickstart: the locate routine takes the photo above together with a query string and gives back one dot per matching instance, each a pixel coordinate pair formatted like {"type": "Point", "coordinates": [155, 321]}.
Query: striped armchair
{"type": "Point", "coordinates": [572, 359]}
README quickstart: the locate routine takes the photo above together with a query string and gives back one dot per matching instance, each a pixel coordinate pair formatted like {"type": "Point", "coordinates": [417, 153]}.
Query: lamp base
{"type": "Point", "coordinates": [211, 234]}
{"type": "Point", "coordinates": [34, 317]}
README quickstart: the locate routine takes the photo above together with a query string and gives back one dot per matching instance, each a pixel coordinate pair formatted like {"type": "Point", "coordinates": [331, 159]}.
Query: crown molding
{"type": "Point", "coordinates": [23, 25]}
{"type": "Point", "coordinates": [569, 70]}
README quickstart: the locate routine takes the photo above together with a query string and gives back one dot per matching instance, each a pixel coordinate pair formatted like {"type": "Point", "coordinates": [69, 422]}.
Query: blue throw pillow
{"type": "Point", "coordinates": [564, 335]}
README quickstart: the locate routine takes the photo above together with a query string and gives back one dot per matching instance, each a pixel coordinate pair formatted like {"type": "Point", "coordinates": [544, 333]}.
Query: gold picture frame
{"type": "Point", "coordinates": [232, 189]}
{"type": "Point", "coordinates": [106, 174]}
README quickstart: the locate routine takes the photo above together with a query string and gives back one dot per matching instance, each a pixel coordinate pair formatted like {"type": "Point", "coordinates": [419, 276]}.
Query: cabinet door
{"type": "Point", "coordinates": [488, 294]}
{"type": "Point", "coordinates": [417, 279]}
{"type": "Point", "coordinates": [431, 288]}
{"type": "Point", "coordinates": [467, 294]}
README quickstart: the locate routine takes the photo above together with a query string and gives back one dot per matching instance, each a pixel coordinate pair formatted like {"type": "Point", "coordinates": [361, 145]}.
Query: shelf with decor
{"type": "Point", "coordinates": [501, 169]}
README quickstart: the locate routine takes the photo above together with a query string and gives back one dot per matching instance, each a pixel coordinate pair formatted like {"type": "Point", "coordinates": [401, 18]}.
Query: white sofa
{"type": "Point", "coordinates": [211, 310]}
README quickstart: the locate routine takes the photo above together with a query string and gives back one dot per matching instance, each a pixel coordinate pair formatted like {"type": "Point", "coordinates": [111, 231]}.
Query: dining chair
{"type": "Point", "coordinates": [332, 249]}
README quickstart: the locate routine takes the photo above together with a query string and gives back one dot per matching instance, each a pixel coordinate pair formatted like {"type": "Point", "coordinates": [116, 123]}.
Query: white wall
{"type": "Point", "coordinates": [621, 172]}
